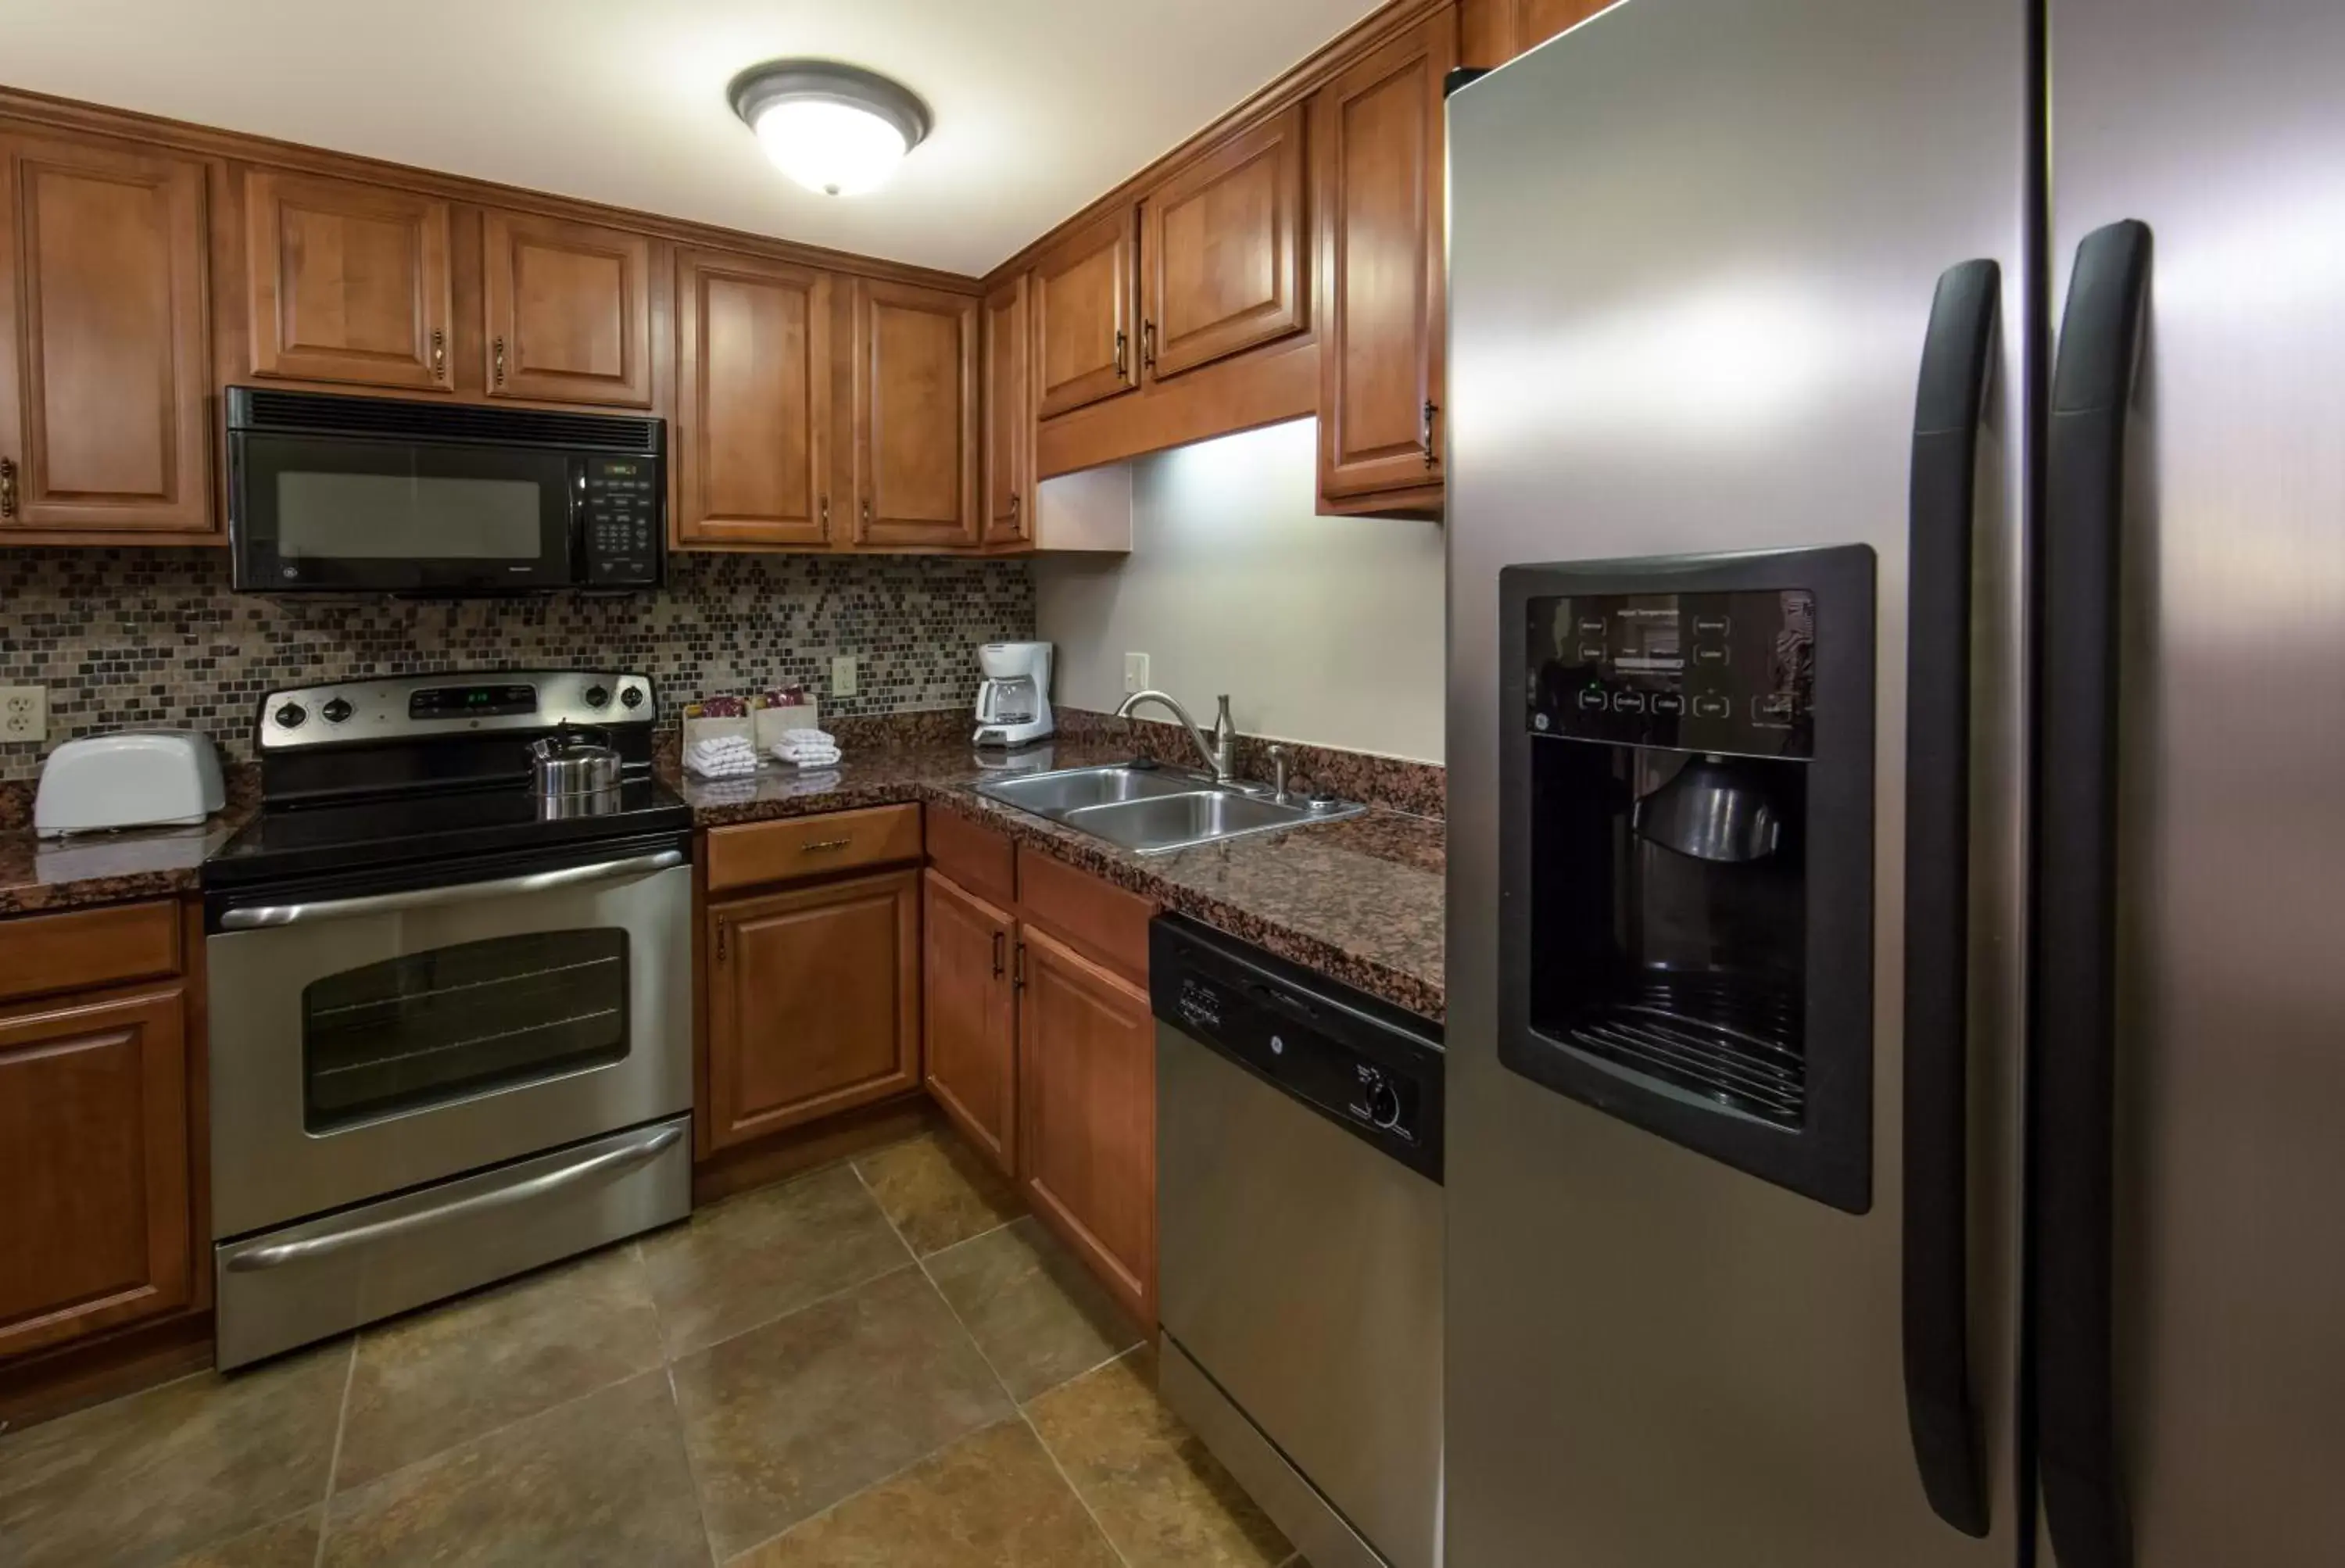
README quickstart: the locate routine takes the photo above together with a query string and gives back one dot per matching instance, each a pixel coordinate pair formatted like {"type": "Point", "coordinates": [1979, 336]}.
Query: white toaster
{"type": "Point", "coordinates": [138, 779]}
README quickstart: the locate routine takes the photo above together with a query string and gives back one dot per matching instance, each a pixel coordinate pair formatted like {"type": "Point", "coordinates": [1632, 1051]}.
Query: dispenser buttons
{"type": "Point", "coordinates": [1710, 705]}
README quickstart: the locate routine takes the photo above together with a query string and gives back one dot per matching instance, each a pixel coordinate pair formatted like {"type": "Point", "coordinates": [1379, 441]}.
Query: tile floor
{"type": "Point", "coordinates": [881, 1362]}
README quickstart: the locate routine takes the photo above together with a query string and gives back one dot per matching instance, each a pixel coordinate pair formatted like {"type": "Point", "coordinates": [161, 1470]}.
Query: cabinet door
{"type": "Point", "coordinates": [814, 1004]}
{"type": "Point", "coordinates": [569, 310]}
{"type": "Point", "coordinates": [1084, 319]}
{"type": "Point", "coordinates": [95, 1223]}
{"type": "Point", "coordinates": [104, 360]}
{"type": "Point", "coordinates": [1008, 416]}
{"type": "Point", "coordinates": [346, 281]}
{"type": "Point", "coordinates": [1378, 132]}
{"type": "Point", "coordinates": [1222, 251]}
{"type": "Point", "coordinates": [915, 415]}
{"type": "Point", "coordinates": [970, 1018]}
{"type": "Point", "coordinates": [1087, 1109]}
{"type": "Point", "coordinates": [753, 401]}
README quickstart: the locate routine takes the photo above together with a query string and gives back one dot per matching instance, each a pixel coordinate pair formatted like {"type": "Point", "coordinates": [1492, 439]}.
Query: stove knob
{"type": "Point", "coordinates": [1383, 1099]}
{"type": "Point", "coordinates": [597, 696]}
{"type": "Point", "coordinates": [336, 710]}
{"type": "Point", "coordinates": [290, 715]}
{"type": "Point", "coordinates": [632, 695]}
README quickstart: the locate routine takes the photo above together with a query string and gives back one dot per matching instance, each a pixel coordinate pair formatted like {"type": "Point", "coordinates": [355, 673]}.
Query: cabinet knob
{"type": "Point", "coordinates": [498, 350]}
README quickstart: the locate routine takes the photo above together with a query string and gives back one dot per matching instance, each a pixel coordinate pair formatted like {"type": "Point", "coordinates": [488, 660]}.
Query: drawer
{"type": "Point", "coordinates": [1092, 915]}
{"type": "Point", "coordinates": [975, 856]}
{"type": "Point", "coordinates": [758, 852]}
{"type": "Point", "coordinates": [83, 949]}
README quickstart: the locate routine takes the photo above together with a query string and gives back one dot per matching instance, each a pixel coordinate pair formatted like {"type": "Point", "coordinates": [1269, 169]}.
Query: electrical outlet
{"type": "Point", "coordinates": [1135, 673]}
{"type": "Point", "coordinates": [24, 713]}
{"type": "Point", "coordinates": [842, 676]}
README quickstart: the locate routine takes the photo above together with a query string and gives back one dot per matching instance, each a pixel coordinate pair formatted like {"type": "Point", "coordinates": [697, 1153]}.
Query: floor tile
{"type": "Point", "coordinates": [600, 1480]}
{"type": "Point", "coordinates": [1160, 1496]}
{"type": "Point", "coordinates": [288, 1543]}
{"type": "Point", "coordinates": [991, 1500]}
{"type": "Point", "coordinates": [1033, 1309]}
{"type": "Point", "coordinates": [937, 1190]}
{"type": "Point", "coordinates": [175, 1468]}
{"type": "Point", "coordinates": [751, 1258]}
{"type": "Point", "coordinates": [438, 1378]}
{"type": "Point", "coordinates": [788, 1419]}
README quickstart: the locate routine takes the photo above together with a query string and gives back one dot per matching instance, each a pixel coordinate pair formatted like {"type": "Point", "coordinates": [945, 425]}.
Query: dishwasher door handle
{"type": "Point", "coordinates": [262, 917]}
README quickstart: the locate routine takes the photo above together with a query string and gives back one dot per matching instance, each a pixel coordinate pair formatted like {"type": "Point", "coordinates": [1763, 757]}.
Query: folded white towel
{"type": "Point", "coordinates": [807, 737]}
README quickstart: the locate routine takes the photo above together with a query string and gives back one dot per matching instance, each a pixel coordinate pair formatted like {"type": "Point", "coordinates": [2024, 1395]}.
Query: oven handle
{"type": "Point", "coordinates": [646, 1144]}
{"type": "Point", "coordinates": [256, 917]}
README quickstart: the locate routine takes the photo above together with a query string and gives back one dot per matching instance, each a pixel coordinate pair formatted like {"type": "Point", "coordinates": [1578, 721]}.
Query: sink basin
{"type": "Point", "coordinates": [1153, 810]}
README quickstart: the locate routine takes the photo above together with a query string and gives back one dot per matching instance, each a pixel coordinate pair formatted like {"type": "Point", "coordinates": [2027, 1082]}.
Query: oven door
{"type": "Point", "coordinates": [343, 513]}
{"type": "Point", "coordinates": [372, 1034]}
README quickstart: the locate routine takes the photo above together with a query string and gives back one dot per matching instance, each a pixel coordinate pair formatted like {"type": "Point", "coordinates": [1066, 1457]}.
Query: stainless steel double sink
{"type": "Point", "coordinates": [1154, 810]}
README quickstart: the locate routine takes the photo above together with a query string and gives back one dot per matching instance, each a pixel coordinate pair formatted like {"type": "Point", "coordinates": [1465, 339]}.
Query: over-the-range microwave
{"type": "Point", "coordinates": [356, 494]}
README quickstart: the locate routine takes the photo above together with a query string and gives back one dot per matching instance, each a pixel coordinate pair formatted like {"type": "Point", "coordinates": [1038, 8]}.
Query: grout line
{"type": "Point", "coordinates": [980, 1235]}
{"type": "Point", "coordinates": [691, 1471]}
{"type": "Point", "coordinates": [893, 1228]}
{"type": "Point", "coordinates": [1132, 1349]}
{"type": "Point", "coordinates": [334, 1459]}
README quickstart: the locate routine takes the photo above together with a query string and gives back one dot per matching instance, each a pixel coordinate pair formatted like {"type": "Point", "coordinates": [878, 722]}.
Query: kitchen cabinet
{"type": "Point", "coordinates": [104, 358]}
{"type": "Point", "coordinates": [568, 310]}
{"type": "Point", "coordinates": [753, 358]}
{"type": "Point", "coordinates": [1496, 31]}
{"type": "Point", "coordinates": [1222, 251]}
{"type": "Point", "coordinates": [96, 1227]}
{"type": "Point", "coordinates": [1085, 314]}
{"type": "Point", "coordinates": [915, 416]}
{"type": "Point", "coordinates": [347, 281]}
{"type": "Point", "coordinates": [1008, 416]}
{"type": "Point", "coordinates": [971, 1063]}
{"type": "Point", "coordinates": [1086, 1111]}
{"type": "Point", "coordinates": [1377, 131]}
{"type": "Point", "coordinates": [813, 1002]}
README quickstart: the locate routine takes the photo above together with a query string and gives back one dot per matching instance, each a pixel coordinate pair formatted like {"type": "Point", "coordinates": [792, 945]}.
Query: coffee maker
{"type": "Point", "coordinates": [1013, 704]}
{"type": "Point", "coordinates": [1686, 853]}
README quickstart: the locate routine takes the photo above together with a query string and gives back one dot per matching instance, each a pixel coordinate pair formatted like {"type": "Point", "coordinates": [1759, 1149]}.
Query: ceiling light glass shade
{"type": "Point", "coordinates": [835, 128]}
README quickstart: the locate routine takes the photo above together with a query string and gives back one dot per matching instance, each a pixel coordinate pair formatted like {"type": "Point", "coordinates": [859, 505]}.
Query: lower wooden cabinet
{"type": "Point", "coordinates": [814, 1003]}
{"type": "Point", "coordinates": [1086, 1111]}
{"type": "Point", "coordinates": [970, 1018]}
{"type": "Point", "coordinates": [95, 1224]}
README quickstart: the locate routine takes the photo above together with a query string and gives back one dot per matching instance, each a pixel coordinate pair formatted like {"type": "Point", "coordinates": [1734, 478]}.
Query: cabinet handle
{"type": "Point", "coordinates": [998, 938]}
{"type": "Point", "coordinates": [1013, 510]}
{"type": "Point", "coordinates": [1431, 408]}
{"type": "Point", "coordinates": [867, 512]}
{"type": "Point", "coordinates": [1018, 978]}
{"type": "Point", "coordinates": [721, 929]}
{"type": "Point", "coordinates": [825, 513]}
{"type": "Point", "coordinates": [1148, 346]}
{"type": "Point", "coordinates": [818, 845]}
{"type": "Point", "coordinates": [439, 354]}
{"type": "Point", "coordinates": [500, 351]}
{"type": "Point", "coordinates": [7, 487]}
{"type": "Point", "coordinates": [1120, 342]}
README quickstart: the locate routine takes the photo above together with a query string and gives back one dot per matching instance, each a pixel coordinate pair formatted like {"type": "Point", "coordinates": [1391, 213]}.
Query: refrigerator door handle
{"type": "Point", "coordinates": [2072, 970]}
{"type": "Point", "coordinates": [1958, 356]}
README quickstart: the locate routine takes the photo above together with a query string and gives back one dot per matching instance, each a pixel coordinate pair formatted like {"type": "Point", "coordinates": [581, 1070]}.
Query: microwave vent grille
{"type": "Point", "coordinates": [262, 410]}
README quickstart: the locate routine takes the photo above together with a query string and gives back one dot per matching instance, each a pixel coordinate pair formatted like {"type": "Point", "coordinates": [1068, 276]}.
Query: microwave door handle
{"type": "Point", "coordinates": [263, 917]}
{"type": "Point", "coordinates": [1958, 356]}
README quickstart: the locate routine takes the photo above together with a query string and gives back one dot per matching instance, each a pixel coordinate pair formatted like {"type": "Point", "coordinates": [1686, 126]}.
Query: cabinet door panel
{"type": "Point", "coordinates": [346, 281]}
{"type": "Point", "coordinates": [1009, 415]}
{"type": "Point", "coordinates": [753, 412]}
{"type": "Point", "coordinates": [814, 1004]}
{"type": "Point", "coordinates": [95, 1222]}
{"type": "Point", "coordinates": [1223, 243]}
{"type": "Point", "coordinates": [1380, 357]}
{"type": "Point", "coordinates": [970, 1018]}
{"type": "Point", "coordinates": [1087, 1107]}
{"type": "Point", "coordinates": [1084, 315]}
{"type": "Point", "coordinates": [915, 415]}
{"type": "Point", "coordinates": [104, 354]}
{"type": "Point", "coordinates": [569, 310]}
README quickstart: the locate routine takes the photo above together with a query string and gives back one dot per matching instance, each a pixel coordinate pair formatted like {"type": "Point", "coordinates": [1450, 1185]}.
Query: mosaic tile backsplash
{"type": "Point", "coordinates": [132, 638]}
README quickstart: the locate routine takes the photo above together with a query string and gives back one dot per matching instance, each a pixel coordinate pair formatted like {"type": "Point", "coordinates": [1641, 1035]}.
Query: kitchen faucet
{"type": "Point", "coordinates": [1219, 753]}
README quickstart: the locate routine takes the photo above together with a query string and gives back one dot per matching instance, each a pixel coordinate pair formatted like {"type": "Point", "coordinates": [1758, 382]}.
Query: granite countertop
{"type": "Point", "coordinates": [37, 874]}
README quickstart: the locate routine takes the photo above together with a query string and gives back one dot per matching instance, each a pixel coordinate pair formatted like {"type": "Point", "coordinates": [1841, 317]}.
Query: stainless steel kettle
{"type": "Point", "coordinates": [572, 762]}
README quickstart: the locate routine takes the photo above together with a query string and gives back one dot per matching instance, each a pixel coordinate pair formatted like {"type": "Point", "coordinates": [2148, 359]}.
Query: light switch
{"type": "Point", "coordinates": [1135, 673]}
{"type": "Point", "coordinates": [842, 676]}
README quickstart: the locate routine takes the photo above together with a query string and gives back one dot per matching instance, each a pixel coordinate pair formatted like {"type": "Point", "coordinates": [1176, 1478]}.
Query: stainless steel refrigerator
{"type": "Point", "coordinates": [1958, 390]}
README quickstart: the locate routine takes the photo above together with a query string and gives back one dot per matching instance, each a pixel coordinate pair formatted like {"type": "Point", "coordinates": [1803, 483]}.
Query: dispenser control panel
{"type": "Point", "coordinates": [1722, 672]}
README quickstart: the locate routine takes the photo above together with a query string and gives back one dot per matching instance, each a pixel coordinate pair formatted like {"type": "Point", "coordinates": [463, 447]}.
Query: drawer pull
{"type": "Point", "coordinates": [997, 954]}
{"type": "Point", "coordinates": [808, 849]}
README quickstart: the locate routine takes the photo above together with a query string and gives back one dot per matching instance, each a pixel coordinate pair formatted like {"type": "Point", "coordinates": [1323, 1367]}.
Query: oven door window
{"type": "Point", "coordinates": [427, 1028]}
{"type": "Point", "coordinates": [315, 512]}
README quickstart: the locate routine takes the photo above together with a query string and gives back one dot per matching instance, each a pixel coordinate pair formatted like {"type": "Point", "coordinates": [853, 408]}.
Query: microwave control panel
{"type": "Point", "coordinates": [625, 536]}
{"type": "Point", "coordinates": [1731, 673]}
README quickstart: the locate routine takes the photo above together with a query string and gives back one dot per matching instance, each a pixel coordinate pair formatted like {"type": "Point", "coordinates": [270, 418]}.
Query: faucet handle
{"type": "Point", "coordinates": [1222, 724]}
{"type": "Point", "coordinates": [1278, 757]}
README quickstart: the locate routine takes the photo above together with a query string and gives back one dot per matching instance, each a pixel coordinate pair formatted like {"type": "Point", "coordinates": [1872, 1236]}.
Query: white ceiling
{"type": "Point", "coordinates": [1041, 105]}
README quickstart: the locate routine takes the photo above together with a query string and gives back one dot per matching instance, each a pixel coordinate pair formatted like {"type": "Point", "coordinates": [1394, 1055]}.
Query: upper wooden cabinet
{"type": "Point", "coordinates": [568, 308]}
{"type": "Point", "coordinates": [104, 359]}
{"type": "Point", "coordinates": [1499, 30]}
{"type": "Point", "coordinates": [753, 357]}
{"type": "Point", "coordinates": [1085, 319]}
{"type": "Point", "coordinates": [1222, 251]}
{"type": "Point", "coordinates": [1009, 415]}
{"type": "Point", "coordinates": [346, 281]}
{"type": "Point", "coordinates": [1377, 132]}
{"type": "Point", "coordinates": [916, 425]}
{"type": "Point", "coordinates": [970, 1017]}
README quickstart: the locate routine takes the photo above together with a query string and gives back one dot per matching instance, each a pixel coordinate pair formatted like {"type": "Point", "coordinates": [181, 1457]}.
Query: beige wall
{"type": "Point", "coordinates": [1322, 629]}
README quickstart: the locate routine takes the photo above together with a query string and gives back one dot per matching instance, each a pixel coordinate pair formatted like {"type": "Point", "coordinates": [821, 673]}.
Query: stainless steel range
{"type": "Point", "coordinates": [451, 1014]}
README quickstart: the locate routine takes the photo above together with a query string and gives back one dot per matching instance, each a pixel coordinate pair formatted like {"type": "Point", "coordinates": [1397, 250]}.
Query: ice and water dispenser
{"type": "Point", "coordinates": [1686, 846]}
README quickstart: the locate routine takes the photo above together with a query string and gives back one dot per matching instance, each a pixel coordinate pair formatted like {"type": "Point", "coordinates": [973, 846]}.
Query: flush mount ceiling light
{"type": "Point", "coordinates": [839, 129]}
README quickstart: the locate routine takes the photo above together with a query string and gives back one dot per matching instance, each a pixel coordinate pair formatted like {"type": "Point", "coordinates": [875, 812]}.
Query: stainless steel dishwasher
{"type": "Point", "coordinates": [1300, 1236]}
